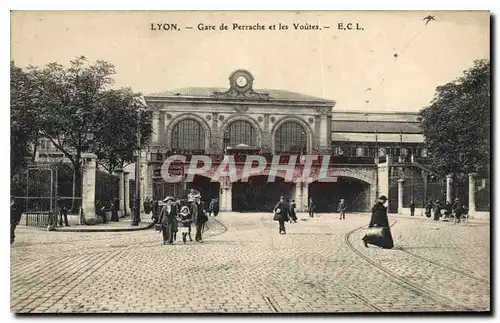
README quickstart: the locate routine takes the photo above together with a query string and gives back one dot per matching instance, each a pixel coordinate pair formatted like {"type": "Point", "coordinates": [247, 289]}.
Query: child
{"type": "Point", "coordinates": [185, 221]}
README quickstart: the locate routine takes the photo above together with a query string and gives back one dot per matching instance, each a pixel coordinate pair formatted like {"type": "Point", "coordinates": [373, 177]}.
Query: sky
{"type": "Point", "coordinates": [356, 68]}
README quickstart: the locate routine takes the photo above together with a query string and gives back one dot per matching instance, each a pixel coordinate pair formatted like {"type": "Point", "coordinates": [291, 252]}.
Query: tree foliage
{"type": "Point", "coordinates": [23, 125]}
{"type": "Point", "coordinates": [78, 111]}
{"type": "Point", "coordinates": [456, 125]}
{"type": "Point", "coordinates": [122, 115]}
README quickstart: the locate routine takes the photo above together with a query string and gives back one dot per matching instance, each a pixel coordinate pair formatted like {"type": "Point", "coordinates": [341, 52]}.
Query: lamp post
{"type": "Point", "coordinates": [137, 200]}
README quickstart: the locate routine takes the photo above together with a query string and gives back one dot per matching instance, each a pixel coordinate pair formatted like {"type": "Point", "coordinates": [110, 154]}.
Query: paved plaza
{"type": "Point", "coordinates": [244, 265]}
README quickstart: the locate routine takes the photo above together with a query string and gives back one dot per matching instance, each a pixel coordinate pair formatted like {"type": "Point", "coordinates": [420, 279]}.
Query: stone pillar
{"type": "Point", "coordinates": [266, 131]}
{"type": "Point", "coordinates": [305, 195]}
{"type": "Point", "coordinates": [448, 188]}
{"type": "Point", "coordinates": [145, 172]}
{"type": "Point", "coordinates": [155, 123]}
{"type": "Point", "coordinates": [226, 196]}
{"type": "Point", "coordinates": [126, 187]}
{"type": "Point", "coordinates": [400, 195]}
{"type": "Point", "coordinates": [298, 196]}
{"type": "Point", "coordinates": [121, 192]}
{"type": "Point", "coordinates": [472, 193]}
{"type": "Point", "coordinates": [89, 173]}
{"type": "Point", "coordinates": [372, 198]}
{"type": "Point", "coordinates": [162, 138]}
{"type": "Point", "coordinates": [382, 180]}
{"type": "Point", "coordinates": [325, 136]}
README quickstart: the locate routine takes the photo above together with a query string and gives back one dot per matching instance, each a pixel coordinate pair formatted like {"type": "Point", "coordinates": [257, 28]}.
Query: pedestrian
{"type": "Point", "coordinates": [167, 217]}
{"type": "Point", "coordinates": [458, 210]}
{"type": "Point", "coordinates": [311, 207]}
{"type": "Point", "coordinates": [280, 214]}
{"type": "Point", "coordinates": [437, 210]}
{"type": "Point", "coordinates": [216, 207]}
{"type": "Point", "coordinates": [211, 207]}
{"type": "Point", "coordinates": [428, 209]}
{"type": "Point", "coordinates": [341, 208]}
{"type": "Point", "coordinates": [155, 211]}
{"type": "Point", "coordinates": [63, 215]}
{"type": "Point", "coordinates": [114, 210]}
{"type": "Point", "coordinates": [380, 232]}
{"type": "Point", "coordinates": [174, 225]}
{"type": "Point", "coordinates": [15, 218]}
{"type": "Point", "coordinates": [293, 214]}
{"type": "Point", "coordinates": [198, 217]}
{"type": "Point", "coordinates": [185, 223]}
{"type": "Point", "coordinates": [412, 208]}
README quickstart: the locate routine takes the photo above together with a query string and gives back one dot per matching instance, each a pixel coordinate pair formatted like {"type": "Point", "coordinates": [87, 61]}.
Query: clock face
{"type": "Point", "coordinates": [241, 81]}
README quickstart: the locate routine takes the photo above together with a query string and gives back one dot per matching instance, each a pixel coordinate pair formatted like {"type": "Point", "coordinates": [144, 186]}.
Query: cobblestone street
{"type": "Point", "coordinates": [244, 265]}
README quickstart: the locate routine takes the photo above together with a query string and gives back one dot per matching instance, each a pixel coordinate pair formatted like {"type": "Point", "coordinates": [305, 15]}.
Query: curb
{"type": "Point", "coordinates": [125, 229]}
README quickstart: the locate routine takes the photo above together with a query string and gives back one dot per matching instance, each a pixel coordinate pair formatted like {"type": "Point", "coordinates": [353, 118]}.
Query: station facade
{"type": "Point", "coordinates": [365, 150]}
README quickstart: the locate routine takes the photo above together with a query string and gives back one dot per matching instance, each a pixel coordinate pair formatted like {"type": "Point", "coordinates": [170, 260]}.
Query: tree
{"type": "Point", "coordinates": [67, 102]}
{"type": "Point", "coordinates": [22, 118]}
{"type": "Point", "coordinates": [120, 114]}
{"type": "Point", "coordinates": [456, 125]}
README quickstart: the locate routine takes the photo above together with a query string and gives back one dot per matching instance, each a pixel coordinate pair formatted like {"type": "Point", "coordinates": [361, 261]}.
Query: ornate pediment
{"type": "Point", "coordinates": [240, 87]}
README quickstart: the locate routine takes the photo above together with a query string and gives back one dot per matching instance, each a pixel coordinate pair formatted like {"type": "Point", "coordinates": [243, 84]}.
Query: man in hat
{"type": "Point", "coordinates": [198, 216]}
{"type": "Point", "coordinates": [167, 218]}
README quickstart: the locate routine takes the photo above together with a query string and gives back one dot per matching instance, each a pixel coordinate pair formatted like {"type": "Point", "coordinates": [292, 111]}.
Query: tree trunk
{"type": "Point", "coordinates": [77, 185]}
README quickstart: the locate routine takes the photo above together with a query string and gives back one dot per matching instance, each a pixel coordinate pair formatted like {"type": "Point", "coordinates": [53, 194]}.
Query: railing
{"type": "Point", "coordinates": [41, 219]}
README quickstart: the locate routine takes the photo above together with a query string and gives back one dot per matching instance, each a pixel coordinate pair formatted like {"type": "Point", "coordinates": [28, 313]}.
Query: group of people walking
{"type": "Point", "coordinates": [453, 210]}
{"type": "Point", "coordinates": [177, 215]}
{"type": "Point", "coordinates": [378, 234]}
{"type": "Point", "coordinates": [286, 212]}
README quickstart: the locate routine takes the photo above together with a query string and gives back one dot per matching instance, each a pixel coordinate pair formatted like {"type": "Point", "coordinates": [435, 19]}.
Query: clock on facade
{"type": "Point", "coordinates": [241, 81]}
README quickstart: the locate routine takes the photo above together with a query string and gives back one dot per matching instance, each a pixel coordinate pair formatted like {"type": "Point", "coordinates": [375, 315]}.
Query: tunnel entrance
{"type": "Point", "coordinates": [327, 195]}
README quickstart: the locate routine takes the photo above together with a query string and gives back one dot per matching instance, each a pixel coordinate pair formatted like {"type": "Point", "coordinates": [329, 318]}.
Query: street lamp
{"type": "Point", "coordinates": [137, 200]}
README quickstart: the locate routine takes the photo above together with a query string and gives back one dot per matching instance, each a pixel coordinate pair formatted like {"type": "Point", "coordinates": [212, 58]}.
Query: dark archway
{"type": "Point", "coordinates": [326, 195]}
{"type": "Point", "coordinates": [257, 195]}
{"type": "Point", "coordinates": [208, 189]}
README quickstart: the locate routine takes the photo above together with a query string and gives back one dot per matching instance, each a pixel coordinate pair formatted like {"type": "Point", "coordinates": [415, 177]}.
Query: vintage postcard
{"type": "Point", "coordinates": [250, 162]}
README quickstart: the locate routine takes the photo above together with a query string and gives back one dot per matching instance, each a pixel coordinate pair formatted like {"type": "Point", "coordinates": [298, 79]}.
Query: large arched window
{"type": "Point", "coordinates": [240, 132]}
{"type": "Point", "coordinates": [188, 135]}
{"type": "Point", "coordinates": [290, 137]}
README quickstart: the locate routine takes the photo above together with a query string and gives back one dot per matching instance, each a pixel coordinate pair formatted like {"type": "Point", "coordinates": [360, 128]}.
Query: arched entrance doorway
{"type": "Point", "coordinates": [208, 189]}
{"type": "Point", "coordinates": [327, 195]}
{"type": "Point", "coordinates": [257, 195]}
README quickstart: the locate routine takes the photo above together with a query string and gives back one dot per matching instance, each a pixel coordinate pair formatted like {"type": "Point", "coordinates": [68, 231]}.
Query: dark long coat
{"type": "Point", "coordinates": [196, 210]}
{"type": "Point", "coordinates": [379, 219]}
{"type": "Point", "coordinates": [168, 219]}
{"type": "Point", "coordinates": [283, 214]}
{"type": "Point", "coordinates": [293, 214]}
{"type": "Point", "coordinates": [379, 216]}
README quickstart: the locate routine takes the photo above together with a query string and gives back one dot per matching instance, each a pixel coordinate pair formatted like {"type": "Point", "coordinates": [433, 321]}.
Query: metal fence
{"type": "Point", "coordinates": [106, 188]}
{"type": "Point", "coordinates": [42, 188]}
